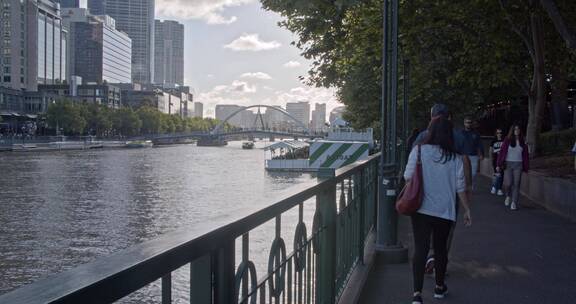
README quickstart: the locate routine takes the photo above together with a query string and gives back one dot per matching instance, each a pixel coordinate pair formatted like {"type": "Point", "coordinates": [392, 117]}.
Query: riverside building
{"type": "Point", "coordinates": [319, 118]}
{"type": "Point", "coordinates": [169, 53]}
{"type": "Point", "coordinates": [300, 111]}
{"type": "Point", "coordinates": [33, 44]}
{"type": "Point", "coordinates": [99, 53]}
{"type": "Point", "coordinates": [136, 18]}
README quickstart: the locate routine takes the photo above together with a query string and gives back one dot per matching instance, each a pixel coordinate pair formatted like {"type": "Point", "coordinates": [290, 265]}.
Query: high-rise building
{"type": "Point", "coordinates": [169, 53]}
{"type": "Point", "coordinates": [336, 114]}
{"type": "Point", "coordinates": [73, 3]}
{"type": "Point", "coordinates": [33, 44]}
{"type": "Point", "coordinates": [224, 111]}
{"type": "Point", "coordinates": [136, 18]}
{"type": "Point", "coordinates": [199, 109]}
{"type": "Point", "coordinates": [275, 119]}
{"type": "Point", "coordinates": [98, 51]}
{"type": "Point", "coordinates": [300, 111]}
{"type": "Point", "coordinates": [319, 118]}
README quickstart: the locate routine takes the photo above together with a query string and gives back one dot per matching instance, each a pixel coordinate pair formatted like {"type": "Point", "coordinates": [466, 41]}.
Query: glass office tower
{"type": "Point", "coordinates": [169, 53]}
{"type": "Point", "coordinates": [135, 18]}
{"type": "Point", "coordinates": [99, 52]}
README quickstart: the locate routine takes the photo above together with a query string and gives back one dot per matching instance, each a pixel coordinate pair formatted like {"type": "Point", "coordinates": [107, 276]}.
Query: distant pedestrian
{"type": "Point", "coordinates": [574, 152]}
{"type": "Point", "coordinates": [514, 157]}
{"type": "Point", "coordinates": [443, 180]}
{"type": "Point", "coordinates": [468, 142]}
{"type": "Point", "coordinates": [498, 175]}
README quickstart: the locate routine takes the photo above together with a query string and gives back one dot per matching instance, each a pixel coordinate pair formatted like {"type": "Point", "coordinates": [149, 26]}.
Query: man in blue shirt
{"type": "Point", "coordinates": [468, 142]}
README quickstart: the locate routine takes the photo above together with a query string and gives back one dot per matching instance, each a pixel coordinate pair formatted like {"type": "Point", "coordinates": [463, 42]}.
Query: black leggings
{"type": "Point", "coordinates": [424, 226]}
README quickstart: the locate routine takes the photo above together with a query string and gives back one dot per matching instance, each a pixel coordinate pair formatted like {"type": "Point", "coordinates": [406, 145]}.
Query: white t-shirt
{"type": "Point", "coordinates": [514, 153]}
{"type": "Point", "coordinates": [441, 181]}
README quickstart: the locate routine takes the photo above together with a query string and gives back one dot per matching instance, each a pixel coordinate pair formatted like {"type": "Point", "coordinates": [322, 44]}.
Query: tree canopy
{"type": "Point", "coordinates": [92, 119]}
{"type": "Point", "coordinates": [462, 53]}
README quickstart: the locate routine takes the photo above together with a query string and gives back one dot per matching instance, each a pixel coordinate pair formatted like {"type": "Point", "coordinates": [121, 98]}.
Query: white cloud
{"type": "Point", "coordinates": [292, 64]}
{"type": "Point", "coordinates": [251, 42]}
{"type": "Point", "coordinates": [242, 87]}
{"type": "Point", "coordinates": [208, 10]}
{"type": "Point", "coordinates": [234, 93]}
{"type": "Point", "coordinates": [256, 75]}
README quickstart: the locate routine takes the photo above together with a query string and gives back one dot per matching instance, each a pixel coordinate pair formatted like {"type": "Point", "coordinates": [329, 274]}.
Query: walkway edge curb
{"type": "Point", "coordinates": [358, 278]}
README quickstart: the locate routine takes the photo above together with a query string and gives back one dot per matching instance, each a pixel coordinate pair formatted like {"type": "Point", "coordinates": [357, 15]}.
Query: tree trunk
{"type": "Point", "coordinates": [559, 108]}
{"type": "Point", "coordinates": [537, 96]}
{"type": "Point", "coordinates": [564, 31]}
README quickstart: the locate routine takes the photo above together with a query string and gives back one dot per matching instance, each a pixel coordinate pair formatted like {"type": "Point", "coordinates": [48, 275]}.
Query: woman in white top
{"type": "Point", "coordinates": [514, 156]}
{"type": "Point", "coordinates": [443, 179]}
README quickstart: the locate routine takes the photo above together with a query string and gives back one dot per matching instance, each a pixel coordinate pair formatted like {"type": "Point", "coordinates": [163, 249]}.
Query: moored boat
{"type": "Point", "coordinates": [139, 144]}
{"type": "Point", "coordinates": [248, 145]}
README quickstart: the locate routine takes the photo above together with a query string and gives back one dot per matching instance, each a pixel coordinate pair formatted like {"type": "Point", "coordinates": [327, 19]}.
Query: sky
{"type": "Point", "coordinates": [235, 53]}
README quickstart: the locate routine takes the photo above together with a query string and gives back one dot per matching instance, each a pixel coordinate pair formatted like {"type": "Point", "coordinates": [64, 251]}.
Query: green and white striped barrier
{"type": "Point", "coordinates": [336, 154]}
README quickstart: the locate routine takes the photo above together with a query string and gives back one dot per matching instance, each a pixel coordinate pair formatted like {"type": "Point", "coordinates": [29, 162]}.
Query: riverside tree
{"type": "Point", "coordinates": [91, 119]}
{"type": "Point", "coordinates": [463, 53]}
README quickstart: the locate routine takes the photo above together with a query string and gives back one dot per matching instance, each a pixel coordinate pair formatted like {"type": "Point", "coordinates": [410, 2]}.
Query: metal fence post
{"type": "Point", "coordinates": [326, 275]}
{"type": "Point", "coordinates": [201, 280]}
{"type": "Point", "coordinates": [224, 275]}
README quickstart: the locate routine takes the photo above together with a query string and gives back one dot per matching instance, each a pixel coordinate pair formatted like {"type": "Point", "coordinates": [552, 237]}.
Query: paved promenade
{"type": "Point", "coordinates": [507, 257]}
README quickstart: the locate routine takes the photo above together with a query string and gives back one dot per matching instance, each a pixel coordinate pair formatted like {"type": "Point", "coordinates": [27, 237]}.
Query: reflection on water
{"type": "Point", "coordinates": [59, 210]}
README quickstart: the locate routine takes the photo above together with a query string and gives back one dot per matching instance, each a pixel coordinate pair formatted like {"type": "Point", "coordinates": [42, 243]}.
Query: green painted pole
{"type": "Point", "coordinates": [326, 280]}
{"type": "Point", "coordinates": [201, 280]}
{"type": "Point", "coordinates": [225, 275]}
{"type": "Point", "coordinates": [387, 232]}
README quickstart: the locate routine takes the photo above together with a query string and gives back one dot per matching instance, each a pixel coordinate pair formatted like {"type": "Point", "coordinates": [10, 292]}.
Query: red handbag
{"type": "Point", "coordinates": [410, 198]}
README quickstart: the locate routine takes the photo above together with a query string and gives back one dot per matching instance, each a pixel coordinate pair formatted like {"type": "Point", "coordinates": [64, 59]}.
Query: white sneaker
{"type": "Point", "coordinates": [513, 206]}
{"type": "Point", "coordinates": [507, 201]}
{"type": "Point", "coordinates": [500, 193]}
{"type": "Point", "coordinates": [493, 191]}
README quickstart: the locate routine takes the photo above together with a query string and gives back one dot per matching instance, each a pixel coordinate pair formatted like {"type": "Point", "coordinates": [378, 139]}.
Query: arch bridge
{"type": "Point", "coordinates": [218, 128]}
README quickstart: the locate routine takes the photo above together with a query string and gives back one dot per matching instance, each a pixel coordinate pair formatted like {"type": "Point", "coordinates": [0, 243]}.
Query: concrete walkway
{"type": "Point", "coordinates": [510, 257]}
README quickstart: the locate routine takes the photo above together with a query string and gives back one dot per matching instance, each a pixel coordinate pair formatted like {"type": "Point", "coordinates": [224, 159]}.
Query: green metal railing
{"type": "Point", "coordinates": [334, 218]}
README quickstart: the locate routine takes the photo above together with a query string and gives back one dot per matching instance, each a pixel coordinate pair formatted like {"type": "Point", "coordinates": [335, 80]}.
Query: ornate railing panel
{"type": "Point", "coordinates": [316, 238]}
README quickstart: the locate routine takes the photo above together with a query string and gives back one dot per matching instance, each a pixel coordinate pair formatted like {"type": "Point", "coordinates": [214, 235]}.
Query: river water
{"type": "Point", "coordinates": [62, 209]}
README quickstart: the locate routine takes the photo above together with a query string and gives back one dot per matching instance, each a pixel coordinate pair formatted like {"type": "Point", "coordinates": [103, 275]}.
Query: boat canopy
{"type": "Point", "coordinates": [287, 145]}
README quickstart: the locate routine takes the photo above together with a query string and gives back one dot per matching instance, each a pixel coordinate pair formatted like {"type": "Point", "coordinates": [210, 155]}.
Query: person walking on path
{"type": "Point", "coordinates": [468, 142]}
{"type": "Point", "coordinates": [498, 176]}
{"type": "Point", "coordinates": [574, 152]}
{"type": "Point", "coordinates": [514, 155]}
{"type": "Point", "coordinates": [440, 110]}
{"type": "Point", "coordinates": [443, 180]}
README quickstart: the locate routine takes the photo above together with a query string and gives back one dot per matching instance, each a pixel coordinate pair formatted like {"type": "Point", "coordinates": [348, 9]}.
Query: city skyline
{"type": "Point", "coordinates": [232, 52]}
{"type": "Point", "coordinates": [235, 53]}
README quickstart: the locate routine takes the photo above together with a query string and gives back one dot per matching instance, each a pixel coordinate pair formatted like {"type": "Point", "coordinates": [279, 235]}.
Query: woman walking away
{"type": "Point", "coordinates": [498, 176]}
{"type": "Point", "coordinates": [513, 155]}
{"type": "Point", "coordinates": [443, 177]}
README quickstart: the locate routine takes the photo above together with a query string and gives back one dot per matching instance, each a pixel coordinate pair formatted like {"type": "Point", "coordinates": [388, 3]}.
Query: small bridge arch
{"type": "Point", "coordinates": [218, 128]}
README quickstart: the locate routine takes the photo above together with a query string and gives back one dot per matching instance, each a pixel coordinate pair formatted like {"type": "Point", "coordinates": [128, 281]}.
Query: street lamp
{"type": "Point", "coordinates": [387, 226]}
